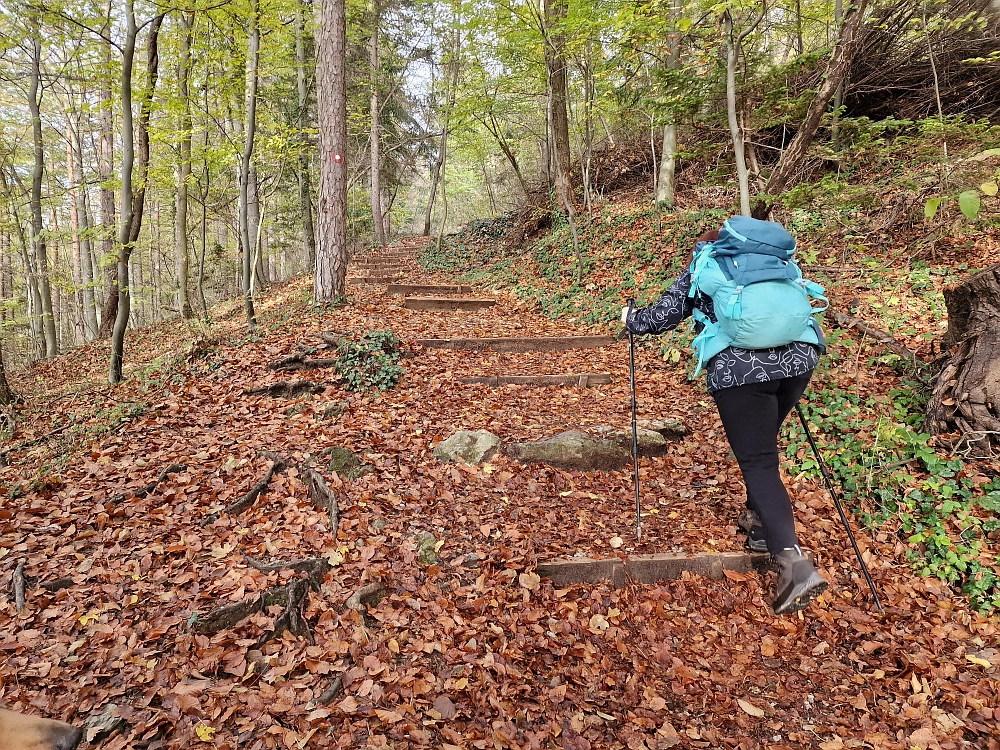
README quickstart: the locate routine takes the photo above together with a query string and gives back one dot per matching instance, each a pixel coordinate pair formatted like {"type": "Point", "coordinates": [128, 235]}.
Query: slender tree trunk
{"type": "Point", "coordinates": [38, 240]}
{"type": "Point", "coordinates": [331, 254]}
{"type": "Point", "coordinates": [840, 61]}
{"type": "Point", "coordinates": [555, 58]}
{"type": "Point", "coordinates": [74, 225]}
{"type": "Point", "coordinates": [455, 68]}
{"type": "Point", "coordinates": [109, 312]}
{"type": "Point", "coordinates": [246, 238]}
{"type": "Point", "coordinates": [304, 176]}
{"type": "Point", "coordinates": [86, 246]}
{"type": "Point", "coordinates": [376, 160]}
{"type": "Point", "coordinates": [668, 157]}
{"type": "Point", "coordinates": [132, 201]}
{"type": "Point", "coordinates": [128, 158]}
{"type": "Point", "coordinates": [799, 46]}
{"type": "Point", "coordinates": [6, 394]}
{"type": "Point", "coordinates": [183, 169]}
{"type": "Point", "coordinates": [742, 174]}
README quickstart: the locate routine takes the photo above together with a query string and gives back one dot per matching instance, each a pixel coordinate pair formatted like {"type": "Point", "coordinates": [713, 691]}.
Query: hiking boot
{"type": "Point", "coordinates": [798, 581]}
{"type": "Point", "coordinates": [749, 523]}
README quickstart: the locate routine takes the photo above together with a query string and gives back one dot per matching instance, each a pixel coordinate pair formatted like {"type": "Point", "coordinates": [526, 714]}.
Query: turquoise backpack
{"type": "Point", "coordinates": [760, 298]}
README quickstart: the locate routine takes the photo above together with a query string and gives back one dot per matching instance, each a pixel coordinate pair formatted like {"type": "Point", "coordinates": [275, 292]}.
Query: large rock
{"type": "Point", "coordinates": [346, 464]}
{"type": "Point", "coordinates": [472, 447]}
{"type": "Point", "coordinates": [426, 548]}
{"type": "Point", "coordinates": [670, 428]}
{"type": "Point", "coordinates": [573, 450]}
{"type": "Point", "coordinates": [651, 443]}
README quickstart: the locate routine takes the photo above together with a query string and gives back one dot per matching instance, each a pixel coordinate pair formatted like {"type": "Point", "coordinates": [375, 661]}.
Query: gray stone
{"type": "Point", "coordinates": [472, 447]}
{"type": "Point", "coordinates": [572, 450]}
{"type": "Point", "coordinates": [346, 464]}
{"type": "Point", "coordinates": [471, 560]}
{"type": "Point", "coordinates": [426, 555]}
{"type": "Point", "coordinates": [651, 443]}
{"type": "Point", "coordinates": [669, 427]}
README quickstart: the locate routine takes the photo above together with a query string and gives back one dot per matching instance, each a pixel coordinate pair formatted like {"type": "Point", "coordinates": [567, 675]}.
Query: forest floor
{"type": "Point", "coordinates": [472, 649]}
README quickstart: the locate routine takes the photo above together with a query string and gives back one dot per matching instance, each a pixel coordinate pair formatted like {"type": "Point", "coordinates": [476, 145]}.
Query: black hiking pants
{"type": "Point", "coordinates": [752, 415]}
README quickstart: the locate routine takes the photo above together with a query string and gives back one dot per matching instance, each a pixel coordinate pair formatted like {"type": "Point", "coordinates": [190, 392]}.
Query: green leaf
{"type": "Point", "coordinates": [969, 202]}
{"type": "Point", "coordinates": [931, 207]}
{"type": "Point", "coordinates": [990, 188]}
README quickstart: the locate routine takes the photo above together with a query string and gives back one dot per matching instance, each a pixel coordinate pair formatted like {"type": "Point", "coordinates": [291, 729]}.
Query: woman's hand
{"type": "Point", "coordinates": [625, 315]}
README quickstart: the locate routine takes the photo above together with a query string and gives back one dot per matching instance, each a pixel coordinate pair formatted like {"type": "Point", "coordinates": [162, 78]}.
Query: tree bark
{"type": "Point", "coordinates": [668, 157]}
{"type": "Point", "coordinates": [732, 55]}
{"type": "Point", "coordinates": [248, 238]}
{"type": "Point", "coordinates": [109, 312]}
{"type": "Point", "coordinates": [966, 396]}
{"type": "Point", "coordinates": [132, 201]}
{"type": "Point", "coordinates": [183, 169]}
{"type": "Point", "coordinates": [304, 176]}
{"type": "Point", "coordinates": [38, 241]}
{"type": "Point", "coordinates": [840, 61]}
{"type": "Point", "coordinates": [330, 282]}
{"type": "Point", "coordinates": [555, 60]}
{"type": "Point", "coordinates": [6, 394]}
{"type": "Point", "coordinates": [376, 159]}
{"type": "Point", "coordinates": [86, 246]}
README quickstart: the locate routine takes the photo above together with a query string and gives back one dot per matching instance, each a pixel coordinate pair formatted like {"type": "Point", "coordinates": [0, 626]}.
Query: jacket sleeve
{"type": "Point", "coordinates": [666, 314]}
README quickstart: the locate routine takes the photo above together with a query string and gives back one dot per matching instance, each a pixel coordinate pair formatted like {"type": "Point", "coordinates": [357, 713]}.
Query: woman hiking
{"type": "Point", "coordinates": [759, 344]}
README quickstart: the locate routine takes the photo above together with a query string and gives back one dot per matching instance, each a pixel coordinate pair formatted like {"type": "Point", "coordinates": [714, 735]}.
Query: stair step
{"type": "Point", "coordinates": [543, 344]}
{"type": "Point", "coordinates": [446, 303]}
{"type": "Point", "coordinates": [431, 289]}
{"type": "Point", "coordinates": [582, 381]}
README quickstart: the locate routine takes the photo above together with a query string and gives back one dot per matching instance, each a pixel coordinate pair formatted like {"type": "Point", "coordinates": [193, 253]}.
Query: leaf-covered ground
{"type": "Point", "coordinates": [474, 650]}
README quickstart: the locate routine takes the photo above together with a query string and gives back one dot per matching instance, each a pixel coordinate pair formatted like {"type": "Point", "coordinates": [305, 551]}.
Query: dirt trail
{"type": "Point", "coordinates": [472, 650]}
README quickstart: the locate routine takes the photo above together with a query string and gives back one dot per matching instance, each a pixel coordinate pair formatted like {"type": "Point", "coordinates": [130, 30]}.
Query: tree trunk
{"type": "Point", "coordinates": [183, 169]}
{"type": "Point", "coordinates": [247, 238]}
{"type": "Point", "coordinates": [109, 312]}
{"type": "Point", "coordinates": [6, 394]}
{"type": "Point", "coordinates": [555, 60]}
{"type": "Point", "coordinates": [304, 176]}
{"type": "Point", "coordinates": [38, 241]}
{"type": "Point", "coordinates": [331, 255]}
{"type": "Point", "coordinates": [966, 396]}
{"type": "Point", "coordinates": [376, 159]}
{"type": "Point", "coordinates": [132, 202]}
{"type": "Point", "coordinates": [668, 157]}
{"type": "Point", "coordinates": [443, 156]}
{"type": "Point", "coordinates": [840, 61]}
{"type": "Point", "coordinates": [86, 246]}
{"type": "Point", "coordinates": [742, 174]}
{"type": "Point", "coordinates": [79, 324]}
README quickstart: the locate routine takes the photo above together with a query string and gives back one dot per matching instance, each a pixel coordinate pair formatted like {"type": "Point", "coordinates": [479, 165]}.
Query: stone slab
{"type": "Point", "coordinates": [583, 381]}
{"type": "Point", "coordinates": [431, 289]}
{"type": "Point", "coordinates": [445, 303]}
{"type": "Point", "coordinates": [543, 344]}
{"type": "Point", "coordinates": [651, 568]}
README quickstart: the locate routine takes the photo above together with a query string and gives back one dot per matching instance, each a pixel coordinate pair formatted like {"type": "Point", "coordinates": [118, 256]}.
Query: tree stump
{"type": "Point", "coordinates": [966, 397]}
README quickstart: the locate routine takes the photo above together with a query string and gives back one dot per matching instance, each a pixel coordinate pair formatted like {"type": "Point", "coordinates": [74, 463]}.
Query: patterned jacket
{"type": "Point", "coordinates": [732, 366]}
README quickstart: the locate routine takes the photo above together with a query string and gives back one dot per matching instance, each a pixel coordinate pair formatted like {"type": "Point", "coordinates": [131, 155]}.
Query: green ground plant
{"type": "Point", "coordinates": [370, 363]}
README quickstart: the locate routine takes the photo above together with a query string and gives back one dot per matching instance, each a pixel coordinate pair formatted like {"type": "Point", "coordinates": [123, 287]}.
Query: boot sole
{"type": "Point", "coordinates": [801, 594]}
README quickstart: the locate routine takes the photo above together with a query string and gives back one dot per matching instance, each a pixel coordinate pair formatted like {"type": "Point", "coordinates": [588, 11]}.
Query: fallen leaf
{"type": "Point", "coordinates": [750, 708]}
{"type": "Point", "coordinates": [444, 706]}
{"type": "Point", "coordinates": [204, 732]}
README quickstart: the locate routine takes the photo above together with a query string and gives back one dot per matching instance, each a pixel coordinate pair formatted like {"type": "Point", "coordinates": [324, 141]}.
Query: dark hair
{"type": "Point", "coordinates": [710, 236]}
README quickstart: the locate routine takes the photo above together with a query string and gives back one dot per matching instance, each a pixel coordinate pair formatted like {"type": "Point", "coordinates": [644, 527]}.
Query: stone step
{"type": "Point", "coordinates": [445, 303]}
{"type": "Point", "coordinates": [651, 568]}
{"type": "Point", "coordinates": [418, 289]}
{"type": "Point", "coordinates": [543, 344]}
{"type": "Point", "coordinates": [582, 381]}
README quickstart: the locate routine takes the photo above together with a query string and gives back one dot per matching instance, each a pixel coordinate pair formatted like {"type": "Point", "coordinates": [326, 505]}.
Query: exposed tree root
{"type": "Point", "coordinates": [323, 497]}
{"type": "Point", "coordinates": [293, 596]}
{"type": "Point", "coordinates": [286, 389]}
{"type": "Point", "coordinates": [334, 338]}
{"type": "Point", "coordinates": [238, 506]}
{"type": "Point", "coordinates": [300, 362]}
{"type": "Point", "coordinates": [370, 594]}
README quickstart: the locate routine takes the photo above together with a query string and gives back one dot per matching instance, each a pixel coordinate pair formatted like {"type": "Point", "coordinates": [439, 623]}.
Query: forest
{"type": "Point", "coordinates": [263, 263]}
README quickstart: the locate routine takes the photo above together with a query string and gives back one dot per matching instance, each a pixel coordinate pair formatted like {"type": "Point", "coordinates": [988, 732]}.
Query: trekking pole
{"type": "Point", "coordinates": [635, 433]}
{"type": "Point", "coordinates": [840, 508]}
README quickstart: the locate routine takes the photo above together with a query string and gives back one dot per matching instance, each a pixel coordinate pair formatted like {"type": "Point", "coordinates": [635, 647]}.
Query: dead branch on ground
{"type": "Point", "coordinates": [285, 389]}
{"type": "Point", "coordinates": [843, 320]}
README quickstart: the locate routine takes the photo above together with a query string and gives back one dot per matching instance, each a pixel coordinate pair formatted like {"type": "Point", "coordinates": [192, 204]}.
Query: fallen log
{"type": "Point", "coordinates": [842, 320]}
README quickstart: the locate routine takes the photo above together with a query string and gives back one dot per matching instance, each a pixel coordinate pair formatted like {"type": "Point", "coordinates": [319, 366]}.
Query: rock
{"type": "Point", "coordinates": [426, 554]}
{"type": "Point", "coordinates": [651, 443]}
{"type": "Point", "coordinates": [471, 560]}
{"type": "Point", "coordinates": [669, 427]}
{"type": "Point", "coordinates": [332, 411]}
{"type": "Point", "coordinates": [472, 447]}
{"type": "Point", "coordinates": [346, 464]}
{"type": "Point", "coordinates": [378, 524]}
{"type": "Point", "coordinates": [573, 450]}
